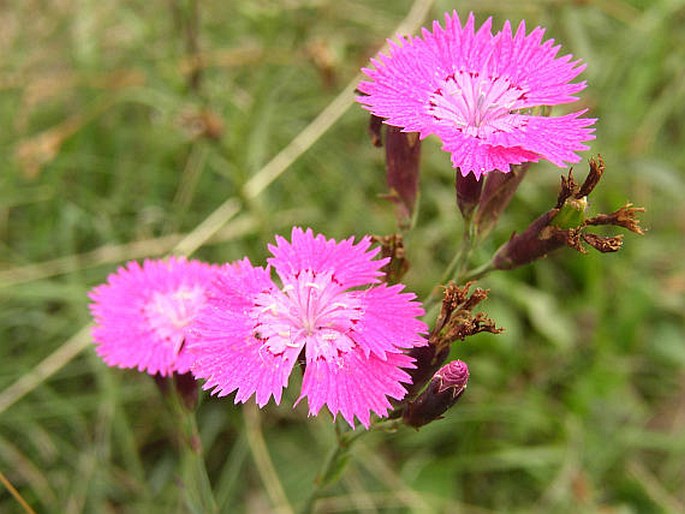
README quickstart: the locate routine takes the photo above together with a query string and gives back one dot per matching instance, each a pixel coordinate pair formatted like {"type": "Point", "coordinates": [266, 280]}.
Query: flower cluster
{"type": "Point", "coordinates": [479, 92]}
{"type": "Point", "coordinates": [330, 314]}
{"type": "Point", "coordinates": [335, 310]}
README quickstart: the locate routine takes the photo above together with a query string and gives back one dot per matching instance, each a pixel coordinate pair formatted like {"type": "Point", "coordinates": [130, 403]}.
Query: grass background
{"type": "Point", "coordinates": [126, 124]}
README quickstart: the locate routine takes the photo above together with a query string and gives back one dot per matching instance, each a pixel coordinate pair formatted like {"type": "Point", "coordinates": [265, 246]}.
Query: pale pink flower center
{"type": "Point", "coordinates": [477, 106]}
{"type": "Point", "coordinates": [169, 313]}
{"type": "Point", "coordinates": [311, 310]}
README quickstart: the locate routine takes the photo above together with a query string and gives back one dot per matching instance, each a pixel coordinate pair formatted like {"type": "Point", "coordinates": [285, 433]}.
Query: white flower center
{"type": "Point", "coordinates": [169, 313]}
{"type": "Point", "coordinates": [310, 310]}
{"type": "Point", "coordinates": [477, 106]}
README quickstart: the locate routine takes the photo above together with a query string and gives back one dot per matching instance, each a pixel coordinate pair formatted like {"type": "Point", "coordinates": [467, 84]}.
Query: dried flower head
{"type": "Point", "coordinates": [477, 91]}
{"type": "Point", "coordinates": [142, 313]}
{"type": "Point", "coordinates": [567, 224]}
{"type": "Point", "coordinates": [330, 312]}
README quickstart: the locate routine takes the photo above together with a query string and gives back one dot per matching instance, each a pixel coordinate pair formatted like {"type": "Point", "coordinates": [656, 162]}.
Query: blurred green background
{"type": "Point", "coordinates": [127, 123]}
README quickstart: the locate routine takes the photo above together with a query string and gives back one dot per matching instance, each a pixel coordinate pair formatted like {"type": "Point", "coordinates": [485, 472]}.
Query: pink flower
{"type": "Point", "coordinates": [476, 92]}
{"type": "Point", "coordinates": [331, 314]}
{"type": "Point", "coordinates": [142, 313]}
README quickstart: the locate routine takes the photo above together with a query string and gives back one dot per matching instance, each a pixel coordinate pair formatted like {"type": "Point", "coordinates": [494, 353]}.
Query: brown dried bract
{"type": "Point", "coordinates": [593, 178]}
{"type": "Point", "coordinates": [392, 247]}
{"type": "Point", "coordinates": [456, 320]}
{"type": "Point", "coordinates": [604, 244]}
{"type": "Point", "coordinates": [569, 186]}
{"type": "Point", "coordinates": [568, 189]}
{"type": "Point", "coordinates": [559, 237]}
{"type": "Point", "coordinates": [625, 217]}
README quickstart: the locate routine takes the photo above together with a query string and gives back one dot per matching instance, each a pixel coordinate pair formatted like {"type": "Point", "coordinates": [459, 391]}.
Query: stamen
{"type": "Point", "coordinates": [477, 106]}
{"type": "Point", "coordinates": [272, 308]}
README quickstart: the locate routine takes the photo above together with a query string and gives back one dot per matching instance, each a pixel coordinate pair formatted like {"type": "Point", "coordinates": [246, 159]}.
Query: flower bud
{"type": "Point", "coordinates": [468, 193]}
{"type": "Point", "coordinates": [402, 159]}
{"type": "Point", "coordinates": [185, 387]}
{"type": "Point", "coordinates": [187, 390]}
{"type": "Point", "coordinates": [498, 190]}
{"type": "Point", "coordinates": [427, 360]}
{"type": "Point", "coordinates": [375, 132]}
{"type": "Point", "coordinates": [443, 391]}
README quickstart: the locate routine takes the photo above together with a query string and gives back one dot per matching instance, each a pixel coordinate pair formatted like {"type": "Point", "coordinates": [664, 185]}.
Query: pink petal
{"type": "Point", "coordinates": [355, 385]}
{"type": "Point", "coordinates": [352, 264]}
{"type": "Point", "coordinates": [534, 67]}
{"type": "Point", "coordinates": [472, 155]}
{"type": "Point", "coordinates": [390, 322]}
{"type": "Point", "coordinates": [228, 354]}
{"type": "Point", "coordinates": [555, 138]}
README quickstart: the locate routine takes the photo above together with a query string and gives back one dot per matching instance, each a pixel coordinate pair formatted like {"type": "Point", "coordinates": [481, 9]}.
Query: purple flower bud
{"type": "Point", "coordinates": [187, 389]}
{"type": "Point", "coordinates": [498, 190]}
{"type": "Point", "coordinates": [428, 360]}
{"type": "Point", "coordinates": [402, 161]}
{"type": "Point", "coordinates": [184, 386]}
{"type": "Point", "coordinates": [375, 133]}
{"type": "Point", "coordinates": [445, 388]}
{"type": "Point", "coordinates": [468, 193]}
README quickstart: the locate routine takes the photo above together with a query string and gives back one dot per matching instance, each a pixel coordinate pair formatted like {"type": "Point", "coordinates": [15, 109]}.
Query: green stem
{"type": "Point", "coordinates": [479, 272]}
{"type": "Point", "coordinates": [464, 255]}
{"type": "Point", "coordinates": [337, 460]}
{"type": "Point", "coordinates": [262, 460]}
{"type": "Point", "coordinates": [456, 268]}
{"type": "Point", "coordinates": [197, 486]}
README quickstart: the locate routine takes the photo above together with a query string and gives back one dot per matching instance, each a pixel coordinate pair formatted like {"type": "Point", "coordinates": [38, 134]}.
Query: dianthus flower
{"type": "Point", "coordinates": [331, 314]}
{"type": "Point", "coordinates": [476, 91]}
{"type": "Point", "coordinates": [142, 313]}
